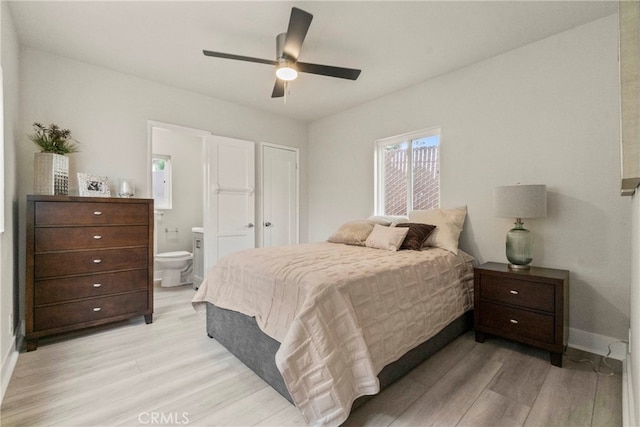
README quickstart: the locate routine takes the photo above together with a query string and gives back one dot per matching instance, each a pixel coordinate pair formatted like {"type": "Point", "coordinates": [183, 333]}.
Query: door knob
{"type": "Point", "coordinates": [267, 224]}
{"type": "Point", "coordinates": [250, 225]}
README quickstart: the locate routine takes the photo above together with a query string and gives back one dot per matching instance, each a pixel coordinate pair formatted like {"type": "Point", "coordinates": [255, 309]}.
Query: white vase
{"type": "Point", "coordinates": [51, 173]}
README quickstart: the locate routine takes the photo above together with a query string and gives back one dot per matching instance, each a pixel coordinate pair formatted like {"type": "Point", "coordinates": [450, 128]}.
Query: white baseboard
{"type": "Point", "coordinates": [8, 365]}
{"type": "Point", "coordinates": [628, 404]}
{"type": "Point", "coordinates": [597, 344]}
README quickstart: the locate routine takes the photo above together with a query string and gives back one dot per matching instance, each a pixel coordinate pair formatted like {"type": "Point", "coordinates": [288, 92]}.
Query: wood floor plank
{"type": "Point", "coordinates": [565, 399]}
{"type": "Point", "coordinates": [494, 409]}
{"type": "Point", "coordinates": [248, 411]}
{"type": "Point", "coordinates": [388, 405]}
{"type": "Point", "coordinates": [607, 412]}
{"type": "Point", "coordinates": [522, 375]}
{"type": "Point", "coordinates": [446, 402]}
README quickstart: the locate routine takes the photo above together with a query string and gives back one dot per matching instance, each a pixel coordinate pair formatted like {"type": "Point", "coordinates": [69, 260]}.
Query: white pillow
{"type": "Point", "coordinates": [387, 238]}
{"type": "Point", "coordinates": [448, 224]}
{"type": "Point", "coordinates": [390, 220]}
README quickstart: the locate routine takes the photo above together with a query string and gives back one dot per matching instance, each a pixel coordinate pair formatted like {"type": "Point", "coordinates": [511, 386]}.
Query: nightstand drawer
{"type": "Point", "coordinates": [63, 238]}
{"type": "Point", "coordinates": [538, 296]}
{"type": "Point", "coordinates": [513, 321]}
{"type": "Point", "coordinates": [90, 310]}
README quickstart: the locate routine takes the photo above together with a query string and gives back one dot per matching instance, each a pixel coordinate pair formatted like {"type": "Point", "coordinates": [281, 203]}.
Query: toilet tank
{"type": "Point", "coordinates": [198, 256]}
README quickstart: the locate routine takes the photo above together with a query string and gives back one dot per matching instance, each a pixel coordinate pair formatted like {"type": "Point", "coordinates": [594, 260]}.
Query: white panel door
{"type": "Point", "coordinates": [230, 223]}
{"type": "Point", "coordinates": [280, 195]}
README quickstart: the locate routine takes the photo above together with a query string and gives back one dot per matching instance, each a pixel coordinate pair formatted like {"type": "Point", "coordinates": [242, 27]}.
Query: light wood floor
{"type": "Point", "coordinates": [171, 373]}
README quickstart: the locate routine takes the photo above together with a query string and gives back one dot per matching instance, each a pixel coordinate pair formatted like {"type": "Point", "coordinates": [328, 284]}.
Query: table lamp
{"type": "Point", "coordinates": [520, 201]}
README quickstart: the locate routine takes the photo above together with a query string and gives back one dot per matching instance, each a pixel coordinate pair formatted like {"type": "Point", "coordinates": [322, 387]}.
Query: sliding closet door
{"type": "Point", "coordinates": [230, 171]}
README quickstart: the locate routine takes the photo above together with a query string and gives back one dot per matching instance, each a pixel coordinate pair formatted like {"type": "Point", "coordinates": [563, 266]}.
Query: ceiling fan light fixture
{"type": "Point", "coordinates": [286, 71]}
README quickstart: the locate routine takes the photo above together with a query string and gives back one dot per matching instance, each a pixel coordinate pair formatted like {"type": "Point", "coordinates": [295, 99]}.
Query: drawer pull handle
{"type": "Point", "coordinates": [514, 292]}
{"type": "Point", "coordinates": [97, 237]}
{"type": "Point", "coordinates": [97, 285]}
{"type": "Point", "coordinates": [97, 308]}
{"type": "Point", "coordinates": [97, 261]}
{"type": "Point", "coordinates": [514, 321]}
{"type": "Point", "coordinates": [97, 213]}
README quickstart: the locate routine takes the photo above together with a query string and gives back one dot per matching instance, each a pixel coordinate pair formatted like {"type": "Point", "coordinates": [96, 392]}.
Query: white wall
{"type": "Point", "coordinates": [547, 113]}
{"type": "Point", "coordinates": [9, 61]}
{"type": "Point", "coordinates": [187, 175]}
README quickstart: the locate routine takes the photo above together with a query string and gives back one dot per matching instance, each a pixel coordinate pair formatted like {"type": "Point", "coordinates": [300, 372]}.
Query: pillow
{"type": "Point", "coordinates": [388, 219]}
{"type": "Point", "coordinates": [388, 238]}
{"type": "Point", "coordinates": [353, 232]}
{"type": "Point", "coordinates": [417, 235]}
{"type": "Point", "coordinates": [448, 224]}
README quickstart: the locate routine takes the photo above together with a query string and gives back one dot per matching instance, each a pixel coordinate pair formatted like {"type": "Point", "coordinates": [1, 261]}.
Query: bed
{"type": "Point", "coordinates": [328, 324]}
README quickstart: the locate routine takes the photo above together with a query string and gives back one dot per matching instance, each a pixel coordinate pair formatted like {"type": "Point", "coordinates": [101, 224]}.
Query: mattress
{"type": "Point", "coordinates": [340, 312]}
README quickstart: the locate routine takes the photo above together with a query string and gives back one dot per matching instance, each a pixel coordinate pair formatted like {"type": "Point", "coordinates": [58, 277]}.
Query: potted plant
{"type": "Point", "coordinates": [51, 165]}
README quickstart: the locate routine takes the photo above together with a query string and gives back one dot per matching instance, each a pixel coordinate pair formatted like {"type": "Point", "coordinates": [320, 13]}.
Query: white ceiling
{"type": "Point", "coordinates": [396, 44]}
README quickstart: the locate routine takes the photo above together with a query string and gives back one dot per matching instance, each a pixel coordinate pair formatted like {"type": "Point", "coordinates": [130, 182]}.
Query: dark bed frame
{"type": "Point", "coordinates": [241, 335]}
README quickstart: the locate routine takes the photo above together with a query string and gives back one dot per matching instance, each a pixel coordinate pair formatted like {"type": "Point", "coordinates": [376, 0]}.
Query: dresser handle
{"type": "Point", "coordinates": [97, 213]}
{"type": "Point", "coordinates": [97, 285]}
{"type": "Point", "coordinates": [97, 237]}
{"type": "Point", "coordinates": [97, 261]}
{"type": "Point", "coordinates": [97, 308]}
{"type": "Point", "coordinates": [514, 321]}
{"type": "Point", "coordinates": [514, 292]}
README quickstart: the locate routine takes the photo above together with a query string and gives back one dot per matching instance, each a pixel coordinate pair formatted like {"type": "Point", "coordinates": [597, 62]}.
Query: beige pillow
{"type": "Point", "coordinates": [353, 232]}
{"type": "Point", "coordinates": [387, 238]}
{"type": "Point", "coordinates": [448, 224]}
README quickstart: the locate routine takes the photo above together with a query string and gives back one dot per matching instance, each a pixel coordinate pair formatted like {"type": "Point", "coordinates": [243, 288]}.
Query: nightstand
{"type": "Point", "coordinates": [528, 306]}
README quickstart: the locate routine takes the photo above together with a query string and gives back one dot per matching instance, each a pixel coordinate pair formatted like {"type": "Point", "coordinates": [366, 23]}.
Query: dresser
{"type": "Point", "coordinates": [529, 306]}
{"type": "Point", "coordinates": [89, 262]}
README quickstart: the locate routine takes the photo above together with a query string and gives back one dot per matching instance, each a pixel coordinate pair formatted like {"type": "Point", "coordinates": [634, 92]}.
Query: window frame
{"type": "Point", "coordinates": [379, 169]}
{"type": "Point", "coordinates": [167, 182]}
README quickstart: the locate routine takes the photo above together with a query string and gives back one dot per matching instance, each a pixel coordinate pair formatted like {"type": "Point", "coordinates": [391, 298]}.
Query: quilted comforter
{"type": "Point", "coordinates": [341, 313]}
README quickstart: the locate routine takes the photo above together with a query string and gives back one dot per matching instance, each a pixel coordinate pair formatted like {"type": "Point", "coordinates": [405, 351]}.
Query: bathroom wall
{"type": "Point", "coordinates": [173, 226]}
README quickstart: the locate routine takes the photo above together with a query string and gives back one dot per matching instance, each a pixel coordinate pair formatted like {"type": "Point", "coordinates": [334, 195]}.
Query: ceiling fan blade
{"type": "Point", "coordinates": [328, 70]}
{"type": "Point", "coordinates": [238, 57]}
{"type": "Point", "coordinates": [278, 89]}
{"type": "Point", "coordinates": [298, 26]}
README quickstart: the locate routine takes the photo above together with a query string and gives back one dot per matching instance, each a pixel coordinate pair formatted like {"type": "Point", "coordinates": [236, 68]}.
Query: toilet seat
{"type": "Point", "coordinates": [176, 255]}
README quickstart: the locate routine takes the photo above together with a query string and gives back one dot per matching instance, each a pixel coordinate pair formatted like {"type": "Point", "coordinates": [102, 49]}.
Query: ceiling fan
{"type": "Point", "coordinates": [287, 51]}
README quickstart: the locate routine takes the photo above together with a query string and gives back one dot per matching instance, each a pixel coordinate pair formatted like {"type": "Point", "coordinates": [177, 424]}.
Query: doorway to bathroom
{"type": "Point", "coordinates": [201, 181]}
{"type": "Point", "coordinates": [178, 186]}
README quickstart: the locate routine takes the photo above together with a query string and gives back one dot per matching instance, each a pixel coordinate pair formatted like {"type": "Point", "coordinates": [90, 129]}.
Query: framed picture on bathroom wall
{"type": "Point", "coordinates": [93, 185]}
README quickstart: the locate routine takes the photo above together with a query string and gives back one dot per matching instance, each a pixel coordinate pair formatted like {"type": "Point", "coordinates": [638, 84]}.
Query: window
{"type": "Point", "coordinates": [161, 177]}
{"type": "Point", "coordinates": [408, 173]}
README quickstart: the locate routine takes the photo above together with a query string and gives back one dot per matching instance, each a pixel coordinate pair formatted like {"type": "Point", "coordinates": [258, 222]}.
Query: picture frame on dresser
{"type": "Point", "coordinates": [93, 185]}
{"type": "Point", "coordinates": [89, 262]}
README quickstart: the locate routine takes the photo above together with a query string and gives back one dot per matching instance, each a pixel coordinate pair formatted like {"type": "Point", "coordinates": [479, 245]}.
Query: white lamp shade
{"type": "Point", "coordinates": [520, 201]}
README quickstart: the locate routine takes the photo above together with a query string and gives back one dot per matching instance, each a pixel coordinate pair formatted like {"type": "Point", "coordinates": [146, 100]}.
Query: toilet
{"type": "Point", "coordinates": [175, 268]}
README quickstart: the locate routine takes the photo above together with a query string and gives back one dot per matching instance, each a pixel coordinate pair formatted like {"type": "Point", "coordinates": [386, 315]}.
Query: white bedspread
{"type": "Point", "coordinates": [341, 313]}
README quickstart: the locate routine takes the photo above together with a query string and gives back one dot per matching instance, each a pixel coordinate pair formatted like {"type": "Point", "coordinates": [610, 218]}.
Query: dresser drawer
{"type": "Point", "coordinates": [514, 321]}
{"type": "Point", "coordinates": [63, 238]}
{"type": "Point", "coordinates": [71, 288]}
{"type": "Point", "coordinates": [59, 315]}
{"type": "Point", "coordinates": [90, 213]}
{"type": "Point", "coordinates": [538, 296]}
{"type": "Point", "coordinates": [54, 264]}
